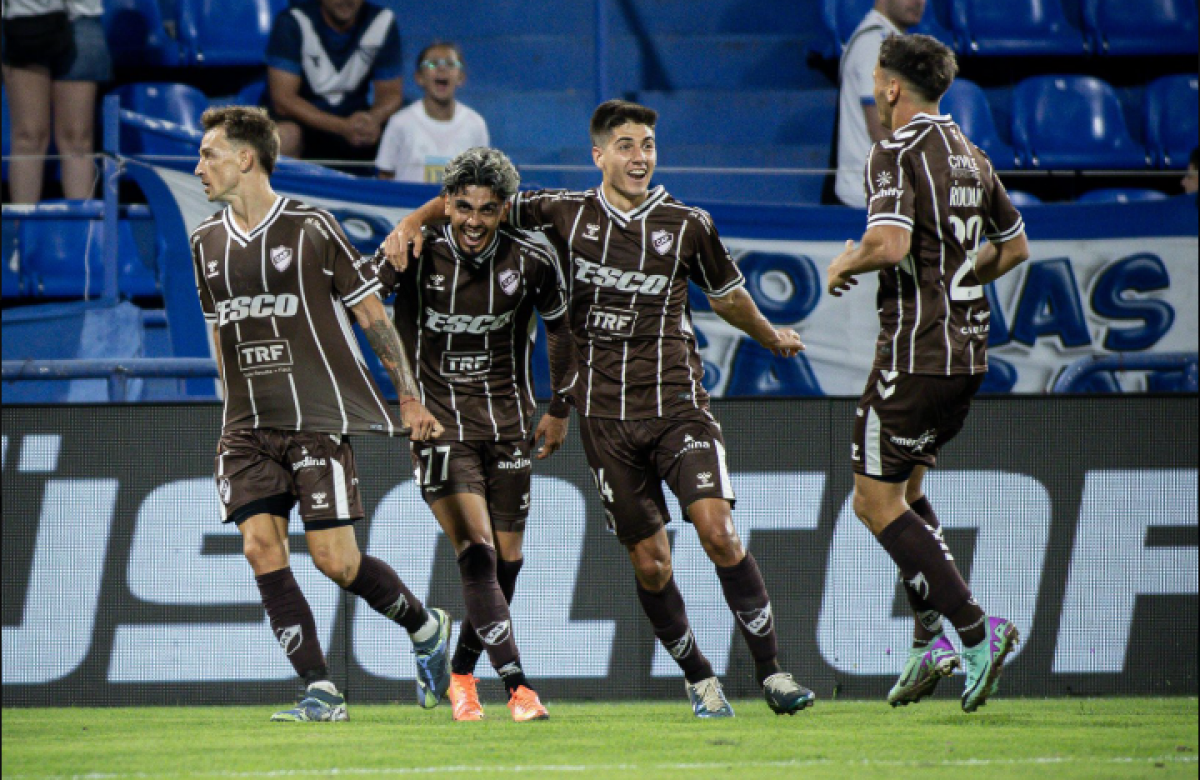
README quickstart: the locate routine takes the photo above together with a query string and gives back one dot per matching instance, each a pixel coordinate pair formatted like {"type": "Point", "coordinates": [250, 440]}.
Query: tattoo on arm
{"type": "Point", "coordinates": [384, 339]}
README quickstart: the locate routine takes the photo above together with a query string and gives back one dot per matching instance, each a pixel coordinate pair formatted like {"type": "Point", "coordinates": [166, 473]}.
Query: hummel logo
{"type": "Point", "coordinates": [290, 638]}
{"type": "Point", "coordinates": [704, 479]}
{"type": "Point", "coordinates": [212, 267]}
{"type": "Point", "coordinates": [888, 377]}
{"type": "Point", "coordinates": [981, 316]}
{"type": "Point", "coordinates": [517, 452]}
{"type": "Point", "coordinates": [437, 282]}
{"type": "Point", "coordinates": [592, 233]}
{"type": "Point", "coordinates": [319, 500]}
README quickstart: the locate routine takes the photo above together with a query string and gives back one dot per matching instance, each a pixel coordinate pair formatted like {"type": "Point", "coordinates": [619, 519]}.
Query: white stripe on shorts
{"type": "Point", "coordinates": [340, 499]}
{"type": "Point", "coordinates": [873, 444]}
{"type": "Point", "coordinates": [723, 473]}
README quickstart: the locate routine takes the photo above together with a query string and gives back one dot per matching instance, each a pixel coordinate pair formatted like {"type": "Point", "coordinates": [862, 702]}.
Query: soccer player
{"type": "Point", "coordinates": [465, 312]}
{"type": "Point", "coordinates": [275, 278]}
{"type": "Point", "coordinates": [628, 253]}
{"type": "Point", "coordinates": [933, 196]}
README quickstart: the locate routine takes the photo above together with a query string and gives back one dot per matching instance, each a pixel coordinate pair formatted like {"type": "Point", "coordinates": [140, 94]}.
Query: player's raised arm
{"type": "Point", "coordinates": [385, 341]}
{"type": "Point", "coordinates": [883, 246]}
{"type": "Point", "coordinates": [408, 233]}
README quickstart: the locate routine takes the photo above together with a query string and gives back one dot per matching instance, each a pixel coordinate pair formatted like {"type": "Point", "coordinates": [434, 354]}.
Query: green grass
{"type": "Point", "coordinates": [1060, 738]}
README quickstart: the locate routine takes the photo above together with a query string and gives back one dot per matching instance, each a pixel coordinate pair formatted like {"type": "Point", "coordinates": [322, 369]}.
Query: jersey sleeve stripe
{"type": "Point", "coordinates": [897, 220]}
{"type": "Point", "coordinates": [727, 289]}
{"type": "Point", "coordinates": [362, 292]}
{"type": "Point", "coordinates": [554, 315]}
{"type": "Point", "coordinates": [1007, 235]}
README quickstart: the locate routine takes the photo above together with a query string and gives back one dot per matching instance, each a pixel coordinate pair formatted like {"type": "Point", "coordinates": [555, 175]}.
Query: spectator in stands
{"type": "Point", "coordinates": [55, 55]}
{"type": "Point", "coordinates": [1191, 179]}
{"type": "Point", "coordinates": [858, 121]}
{"type": "Point", "coordinates": [322, 59]}
{"type": "Point", "coordinates": [423, 137]}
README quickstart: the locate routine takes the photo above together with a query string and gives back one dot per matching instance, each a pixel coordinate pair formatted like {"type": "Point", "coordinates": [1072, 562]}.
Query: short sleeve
{"type": "Point", "coordinates": [548, 288]}
{"type": "Point", "coordinates": [388, 64]}
{"type": "Point", "coordinates": [286, 44]}
{"type": "Point", "coordinates": [711, 267]}
{"type": "Point", "coordinates": [891, 197]}
{"type": "Point", "coordinates": [536, 210]}
{"type": "Point", "coordinates": [391, 280]}
{"type": "Point", "coordinates": [1004, 222]}
{"type": "Point", "coordinates": [354, 276]}
{"type": "Point", "coordinates": [207, 306]}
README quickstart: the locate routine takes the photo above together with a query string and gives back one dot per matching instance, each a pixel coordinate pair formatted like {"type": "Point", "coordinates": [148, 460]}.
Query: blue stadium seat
{"type": "Point", "coordinates": [64, 258]}
{"type": "Point", "coordinates": [137, 35]}
{"type": "Point", "coordinates": [1142, 27]}
{"type": "Point", "coordinates": [177, 103]}
{"type": "Point", "coordinates": [528, 62]}
{"type": "Point", "coordinates": [842, 17]}
{"type": "Point", "coordinates": [709, 17]}
{"type": "Point", "coordinates": [744, 117]}
{"type": "Point", "coordinates": [1120, 196]}
{"type": "Point", "coordinates": [1072, 122]}
{"type": "Point", "coordinates": [546, 119]}
{"type": "Point", "coordinates": [725, 62]}
{"type": "Point", "coordinates": [221, 33]}
{"type": "Point", "coordinates": [253, 94]}
{"type": "Point", "coordinates": [1022, 199]}
{"type": "Point", "coordinates": [1015, 27]}
{"type": "Point", "coordinates": [967, 103]}
{"type": "Point", "coordinates": [1172, 127]}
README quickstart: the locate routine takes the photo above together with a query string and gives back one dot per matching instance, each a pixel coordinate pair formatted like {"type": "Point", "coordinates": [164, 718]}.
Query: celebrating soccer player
{"type": "Point", "coordinates": [465, 309]}
{"type": "Point", "coordinates": [628, 253]}
{"type": "Point", "coordinates": [275, 278]}
{"type": "Point", "coordinates": [932, 197]}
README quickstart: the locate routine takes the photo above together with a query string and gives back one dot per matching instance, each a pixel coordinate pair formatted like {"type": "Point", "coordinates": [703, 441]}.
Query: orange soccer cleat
{"type": "Point", "coordinates": [524, 705]}
{"type": "Point", "coordinates": [464, 698]}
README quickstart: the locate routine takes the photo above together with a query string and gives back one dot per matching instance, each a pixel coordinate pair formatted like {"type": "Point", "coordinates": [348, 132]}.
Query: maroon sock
{"type": "Point", "coordinates": [746, 594]}
{"type": "Point", "coordinates": [669, 618]}
{"type": "Point", "coordinates": [380, 586]}
{"type": "Point", "coordinates": [928, 568]}
{"type": "Point", "coordinates": [292, 622]}
{"type": "Point", "coordinates": [466, 655]}
{"type": "Point", "coordinates": [928, 623]}
{"type": "Point", "coordinates": [486, 606]}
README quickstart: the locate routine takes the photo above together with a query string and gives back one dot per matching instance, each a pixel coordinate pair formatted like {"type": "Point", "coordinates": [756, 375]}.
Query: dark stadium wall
{"type": "Point", "coordinates": [1076, 517]}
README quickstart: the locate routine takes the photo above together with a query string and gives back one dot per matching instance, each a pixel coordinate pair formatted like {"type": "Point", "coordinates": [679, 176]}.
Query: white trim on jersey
{"type": "Point", "coordinates": [937, 220]}
{"type": "Point", "coordinates": [662, 320]}
{"type": "Point", "coordinates": [896, 220]}
{"type": "Point", "coordinates": [587, 405]}
{"type": "Point", "coordinates": [351, 341]}
{"type": "Point", "coordinates": [1008, 235]}
{"type": "Point", "coordinates": [623, 218]}
{"type": "Point", "coordinates": [487, 346]}
{"type": "Point", "coordinates": [242, 237]}
{"type": "Point", "coordinates": [337, 391]}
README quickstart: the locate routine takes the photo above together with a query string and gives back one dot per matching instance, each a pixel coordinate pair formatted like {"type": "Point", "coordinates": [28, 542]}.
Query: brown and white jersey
{"type": "Point", "coordinates": [468, 326]}
{"type": "Point", "coordinates": [627, 277]}
{"type": "Point", "coordinates": [929, 179]}
{"type": "Point", "coordinates": [278, 295]}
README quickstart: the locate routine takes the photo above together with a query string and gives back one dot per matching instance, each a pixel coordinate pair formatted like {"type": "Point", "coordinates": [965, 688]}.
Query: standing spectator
{"type": "Point", "coordinates": [322, 59]}
{"type": "Point", "coordinates": [858, 121]}
{"type": "Point", "coordinates": [1191, 179]}
{"type": "Point", "coordinates": [54, 57]}
{"type": "Point", "coordinates": [422, 138]}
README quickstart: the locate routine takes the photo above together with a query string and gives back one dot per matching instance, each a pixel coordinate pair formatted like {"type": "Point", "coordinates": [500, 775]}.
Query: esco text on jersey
{"type": "Point", "coordinates": [262, 305]}
{"type": "Point", "coordinates": [466, 323]}
{"type": "Point", "coordinates": [625, 281]}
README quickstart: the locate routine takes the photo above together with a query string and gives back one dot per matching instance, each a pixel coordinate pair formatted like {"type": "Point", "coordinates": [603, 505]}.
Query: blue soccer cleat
{"type": "Point", "coordinates": [785, 696]}
{"type": "Point", "coordinates": [321, 703]}
{"type": "Point", "coordinates": [708, 699]}
{"type": "Point", "coordinates": [985, 661]}
{"type": "Point", "coordinates": [433, 662]}
{"type": "Point", "coordinates": [923, 670]}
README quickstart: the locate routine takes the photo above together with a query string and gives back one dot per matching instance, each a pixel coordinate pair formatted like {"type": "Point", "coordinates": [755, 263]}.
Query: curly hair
{"type": "Point", "coordinates": [247, 125]}
{"type": "Point", "coordinates": [482, 166]}
{"type": "Point", "coordinates": [924, 62]}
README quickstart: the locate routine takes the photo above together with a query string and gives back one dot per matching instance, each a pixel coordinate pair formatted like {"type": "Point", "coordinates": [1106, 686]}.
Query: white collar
{"type": "Point", "coordinates": [243, 237]}
{"type": "Point", "coordinates": [623, 218]}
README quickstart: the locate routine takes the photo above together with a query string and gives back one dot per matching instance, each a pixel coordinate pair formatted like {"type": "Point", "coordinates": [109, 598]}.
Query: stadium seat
{"type": "Point", "coordinates": [137, 35]}
{"type": "Point", "coordinates": [719, 62]}
{"type": "Point", "coordinates": [751, 117]}
{"type": "Point", "coordinates": [253, 94]}
{"type": "Point", "coordinates": [1143, 27]}
{"type": "Point", "coordinates": [1015, 27]}
{"type": "Point", "coordinates": [842, 17]}
{"type": "Point", "coordinates": [1072, 122]}
{"type": "Point", "coordinates": [177, 103]}
{"type": "Point", "coordinates": [1172, 127]}
{"type": "Point", "coordinates": [547, 119]}
{"type": "Point", "coordinates": [1022, 199]}
{"type": "Point", "coordinates": [1120, 196]}
{"type": "Point", "coordinates": [217, 33]}
{"type": "Point", "coordinates": [967, 103]}
{"type": "Point", "coordinates": [528, 63]}
{"type": "Point", "coordinates": [64, 258]}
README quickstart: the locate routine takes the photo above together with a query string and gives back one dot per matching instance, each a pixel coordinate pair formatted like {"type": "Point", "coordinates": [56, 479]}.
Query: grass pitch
{"type": "Point", "coordinates": [1086, 738]}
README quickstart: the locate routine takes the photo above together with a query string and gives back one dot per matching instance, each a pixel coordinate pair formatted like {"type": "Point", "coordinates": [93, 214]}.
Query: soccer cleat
{"type": "Point", "coordinates": [785, 696]}
{"type": "Point", "coordinates": [525, 706]}
{"type": "Point", "coordinates": [433, 662]}
{"type": "Point", "coordinates": [321, 702]}
{"type": "Point", "coordinates": [985, 661]}
{"type": "Point", "coordinates": [464, 697]}
{"type": "Point", "coordinates": [708, 699]}
{"type": "Point", "coordinates": [923, 670]}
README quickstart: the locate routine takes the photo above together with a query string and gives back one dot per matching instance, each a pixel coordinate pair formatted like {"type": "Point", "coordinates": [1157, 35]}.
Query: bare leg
{"type": "Point", "coordinates": [74, 128]}
{"type": "Point", "coordinates": [28, 91]}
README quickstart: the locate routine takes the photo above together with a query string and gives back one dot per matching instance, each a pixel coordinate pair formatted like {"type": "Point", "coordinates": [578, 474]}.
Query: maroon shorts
{"type": "Point", "coordinates": [904, 419]}
{"type": "Point", "coordinates": [265, 471]}
{"type": "Point", "coordinates": [500, 472]}
{"type": "Point", "coordinates": [630, 459]}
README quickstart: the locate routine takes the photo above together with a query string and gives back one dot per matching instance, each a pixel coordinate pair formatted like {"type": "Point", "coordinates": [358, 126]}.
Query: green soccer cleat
{"type": "Point", "coordinates": [433, 662]}
{"type": "Point", "coordinates": [785, 696]}
{"type": "Point", "coordinates": [708, 699]}
{"type": "Point", "coordinates": [923, 670]}
{"type": "Point", "coordinates": [985, 661]}
{"type": "Point", "coordinates": [321, 703]}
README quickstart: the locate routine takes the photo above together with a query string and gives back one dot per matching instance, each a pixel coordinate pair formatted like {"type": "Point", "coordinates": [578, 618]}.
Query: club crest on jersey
{"type": "Point", "coordinates": [509, 279]}
{"type": "Point", "coordinates": [662, 241]}
{"type": "Point", "coordinates": [281, 257]}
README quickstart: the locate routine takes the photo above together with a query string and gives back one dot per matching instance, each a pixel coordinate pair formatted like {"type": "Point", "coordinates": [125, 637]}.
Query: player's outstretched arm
{"type": "Point", "coordinates": [995, 260]}
{"type": "Point", "coordinates": [408, 232]}
{"type": "Point", "coordinates": [739, 310]}
{"type": "Point", "coordinates": [384, 339]}
{"type": "Point", "coordinates": [883, 246]}
{"type": "Point", "coordinates": [552, 428]}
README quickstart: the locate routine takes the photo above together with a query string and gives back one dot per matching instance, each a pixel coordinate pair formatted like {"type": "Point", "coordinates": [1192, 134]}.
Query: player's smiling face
{"type": "Point", "coordinates": [475, 214]}
{"type": "Point", "coordinates": [627, 160]}
{"type": "Point", "coordinates": [220, 166]}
